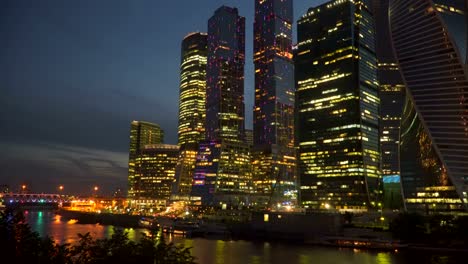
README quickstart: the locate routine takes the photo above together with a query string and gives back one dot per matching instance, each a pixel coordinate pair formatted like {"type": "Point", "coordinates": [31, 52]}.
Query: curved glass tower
{"type": "Point", "coordinates": [192, 90]}
{"type": "Point", "coordinates": [192, 109]}
{"type": "Point", "coordinates": [429, 39]}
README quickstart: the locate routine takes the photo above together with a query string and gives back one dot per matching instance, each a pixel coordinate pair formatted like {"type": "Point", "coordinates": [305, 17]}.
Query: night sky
{"type": "Point", "coordinates": [73, 74]}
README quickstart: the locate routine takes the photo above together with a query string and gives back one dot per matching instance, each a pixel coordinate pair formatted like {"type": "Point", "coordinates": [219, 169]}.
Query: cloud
{"type": "Point", "coordinates": [44, 166]}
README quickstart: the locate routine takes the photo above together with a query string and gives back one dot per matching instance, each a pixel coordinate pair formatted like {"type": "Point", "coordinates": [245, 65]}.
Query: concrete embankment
{"type": "Point", "coordinates": [101, 218]}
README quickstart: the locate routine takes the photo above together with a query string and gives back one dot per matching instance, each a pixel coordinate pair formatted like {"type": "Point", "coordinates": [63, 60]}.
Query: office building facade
{"type": "Point", "coordinates": [225, 76]}
{"type": "Point", "coordinates": [337, 108]}
{"type": "Point", "coordinates": [273, 151]}
{"type": "Point", "coordinates": [225, 151]}
{"type": "Point", "coordinates": [192, 109]}
{"type": "Point", "coordinates": [154, 176]}
{"type": "Point", "coordinates": [141, 134]}
{"type": "Point", "coordinates": [391, 91]}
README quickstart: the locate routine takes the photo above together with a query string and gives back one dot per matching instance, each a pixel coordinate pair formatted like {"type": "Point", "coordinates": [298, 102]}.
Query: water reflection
{"type": "Point", "coordinates": [383, 258]}
{"type": "Point", "coordinates": [241, 252]}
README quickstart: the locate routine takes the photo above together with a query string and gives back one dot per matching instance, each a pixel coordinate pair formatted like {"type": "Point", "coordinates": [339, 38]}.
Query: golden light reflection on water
{"type": "Point", "coordinates": [57, 219]}
{"type": "Point", "coordinates": [230, 252]}
{"type": "Point", "coordinates": [220, 244]}
{"type": "Point", "coordinates": [383, 258]}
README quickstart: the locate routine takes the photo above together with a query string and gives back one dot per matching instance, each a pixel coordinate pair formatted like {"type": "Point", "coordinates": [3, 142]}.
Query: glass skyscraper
{"type": "Point", "coordinates": [141, 134]}
{"type": "Point", "coordinates": [225, 76]}
{"type": "Point", "coordinates": [273, 152]}
{"type": "Point", "coordinates": [337, 107]}
{"type": "Point", "coordinates": [192, 90]}
{"type": "Point", "coordinates": [429, 38]}
{"type": "Point", "coordinates": [222, 171]}
{"type": "Point", "coordinates": [391, 91]}
{"type": "Point", "coordinates": [192, 109]}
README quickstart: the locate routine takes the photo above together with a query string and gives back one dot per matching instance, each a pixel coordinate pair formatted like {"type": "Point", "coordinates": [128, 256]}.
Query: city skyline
{"type": "Point", "coordinates": [94, 68]}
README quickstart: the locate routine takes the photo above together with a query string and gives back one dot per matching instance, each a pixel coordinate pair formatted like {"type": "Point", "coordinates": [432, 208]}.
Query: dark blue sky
{"type": "Point", "coordinates": [73, 74]}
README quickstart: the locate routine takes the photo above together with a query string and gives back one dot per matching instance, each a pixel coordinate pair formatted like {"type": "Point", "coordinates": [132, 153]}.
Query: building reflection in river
{"type": "Point", "coordinates": [240, 252]}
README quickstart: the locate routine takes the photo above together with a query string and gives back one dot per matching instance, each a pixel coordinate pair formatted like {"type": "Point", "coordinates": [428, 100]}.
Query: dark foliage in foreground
{"type": "Point", "coordinates": [441, 230]}
{"type": "Point", "coordinates": [19, 244]}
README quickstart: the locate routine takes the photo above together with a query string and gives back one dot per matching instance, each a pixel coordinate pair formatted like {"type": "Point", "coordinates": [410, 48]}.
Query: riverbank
{"type": "Point", "coordinates": [317, 230]}
{"type": "Point", "coordinates": [121, 220]}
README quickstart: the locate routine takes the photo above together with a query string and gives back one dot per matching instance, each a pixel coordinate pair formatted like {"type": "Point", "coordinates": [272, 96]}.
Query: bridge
{"type": "Point", "coordinates": [34, 200]}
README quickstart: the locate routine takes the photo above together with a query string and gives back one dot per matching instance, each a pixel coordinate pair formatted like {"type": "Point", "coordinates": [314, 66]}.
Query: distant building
{"type": "Point", "coordinates": [141, 134]}
{"type": "Point", "coordinates": [222, 172]}
{"type": "Point", "coordinates": [391, 91]}
{"type": "Point", "coordinates": [337, 107]}
{"type": "Point", "coordinates": [192, 109]}
{"type": "Point", "coordinates": [249, 137]}
{"type": "Point", "coordinates": [273, 151]}
{"type": "Point", "coordinates": [392, 195]}
{"type": "Point", "coordinates": [4, 188]}
{"type": "Point", "coordinates": [429, 38]}
{"type": "Point", "coordinates": [154, 175]}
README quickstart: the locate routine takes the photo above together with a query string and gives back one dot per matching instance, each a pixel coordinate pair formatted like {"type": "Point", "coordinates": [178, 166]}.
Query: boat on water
{"type": "Point", "coordinates": [148, 222]}
{"type": "Point", "coordinates": [212, 230]}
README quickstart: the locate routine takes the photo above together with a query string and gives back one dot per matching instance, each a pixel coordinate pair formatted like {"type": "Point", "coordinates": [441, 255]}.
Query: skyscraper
{"type": "Point", "coordinates": [429, 39]}
{"type": "Point", "coordinates": [222, 172]}
{"type": "Point", "coordinates": [141, 134]}
{"type": "Point", "coordinates": [192, 90]}
{"type": "Point", "coordinates": [225, 76]}
{"type": "Point", "coordinates": [191, 107]}
{"type": "Point", "coordinates": [273, 153]}
{"type": "Point", "coordinates": [391, 91]}
{"type": "Point", "coordinates": [154, 175]}
{"type": "Point", "coordinates": [337, 107]}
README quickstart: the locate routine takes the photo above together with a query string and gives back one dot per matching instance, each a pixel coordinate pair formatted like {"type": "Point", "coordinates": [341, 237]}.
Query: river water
{"type": "Point", "coordinates": [207, 251]}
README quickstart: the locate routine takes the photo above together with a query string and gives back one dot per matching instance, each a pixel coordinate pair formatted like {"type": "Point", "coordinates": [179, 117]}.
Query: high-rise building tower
{"type": "Point", "coordinates": [222, 172]}
{"type": "Point", "coordinates": [154, 176]}
{"type": "Point", "coordinates": [141, 134]}
{"type": "Point", "coordinates": [192, 90]}
{"type": "Point", "coordinates": [191, 107]}
{"type": "Point", "coordinates": [337, 107]}
{"type": "Point", "coordinates": [273, 152]}
{"type": "Point", "coordinates": [429, 38]}
{"type": "Point", "coordinates": [225, 76]}
{"type": "Point", "coordinates": [391, 92]}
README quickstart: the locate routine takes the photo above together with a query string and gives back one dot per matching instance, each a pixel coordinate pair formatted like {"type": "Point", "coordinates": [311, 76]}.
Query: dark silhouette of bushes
{"type": "Point", "coordinates": [19, 244]}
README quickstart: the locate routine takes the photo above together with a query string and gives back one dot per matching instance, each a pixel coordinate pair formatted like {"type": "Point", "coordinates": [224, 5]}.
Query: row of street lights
{"type": "Point", "coordinates": [24, 188]}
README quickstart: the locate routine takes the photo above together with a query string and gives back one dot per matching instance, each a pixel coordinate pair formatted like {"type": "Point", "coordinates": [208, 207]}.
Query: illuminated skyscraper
{"type": "Point", "coordinates": [191, 107]}
{"type": "Point", "coordinates": [429, 38]}
{"type": "Point", "coordinates": [225, 76]}
{"type": "Point", "coordinates": [337, 107]}
{"type": "Point", "coordinates": [273, 153]}
{"type": "Point", "coordinates": [222, 172]}
{"type": "Point", "coordinates": [141, 134]}
{"type": "Point", "coordinates": [192, 90]}
{"type": "Point", "coordinates": [154, 175]}
{"type": "Point", "coordinates": [391, 91]}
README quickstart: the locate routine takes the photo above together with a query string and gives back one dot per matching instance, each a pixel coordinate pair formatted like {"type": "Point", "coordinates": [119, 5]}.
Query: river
{"type": "Point", "coordinates": [207, 251]}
